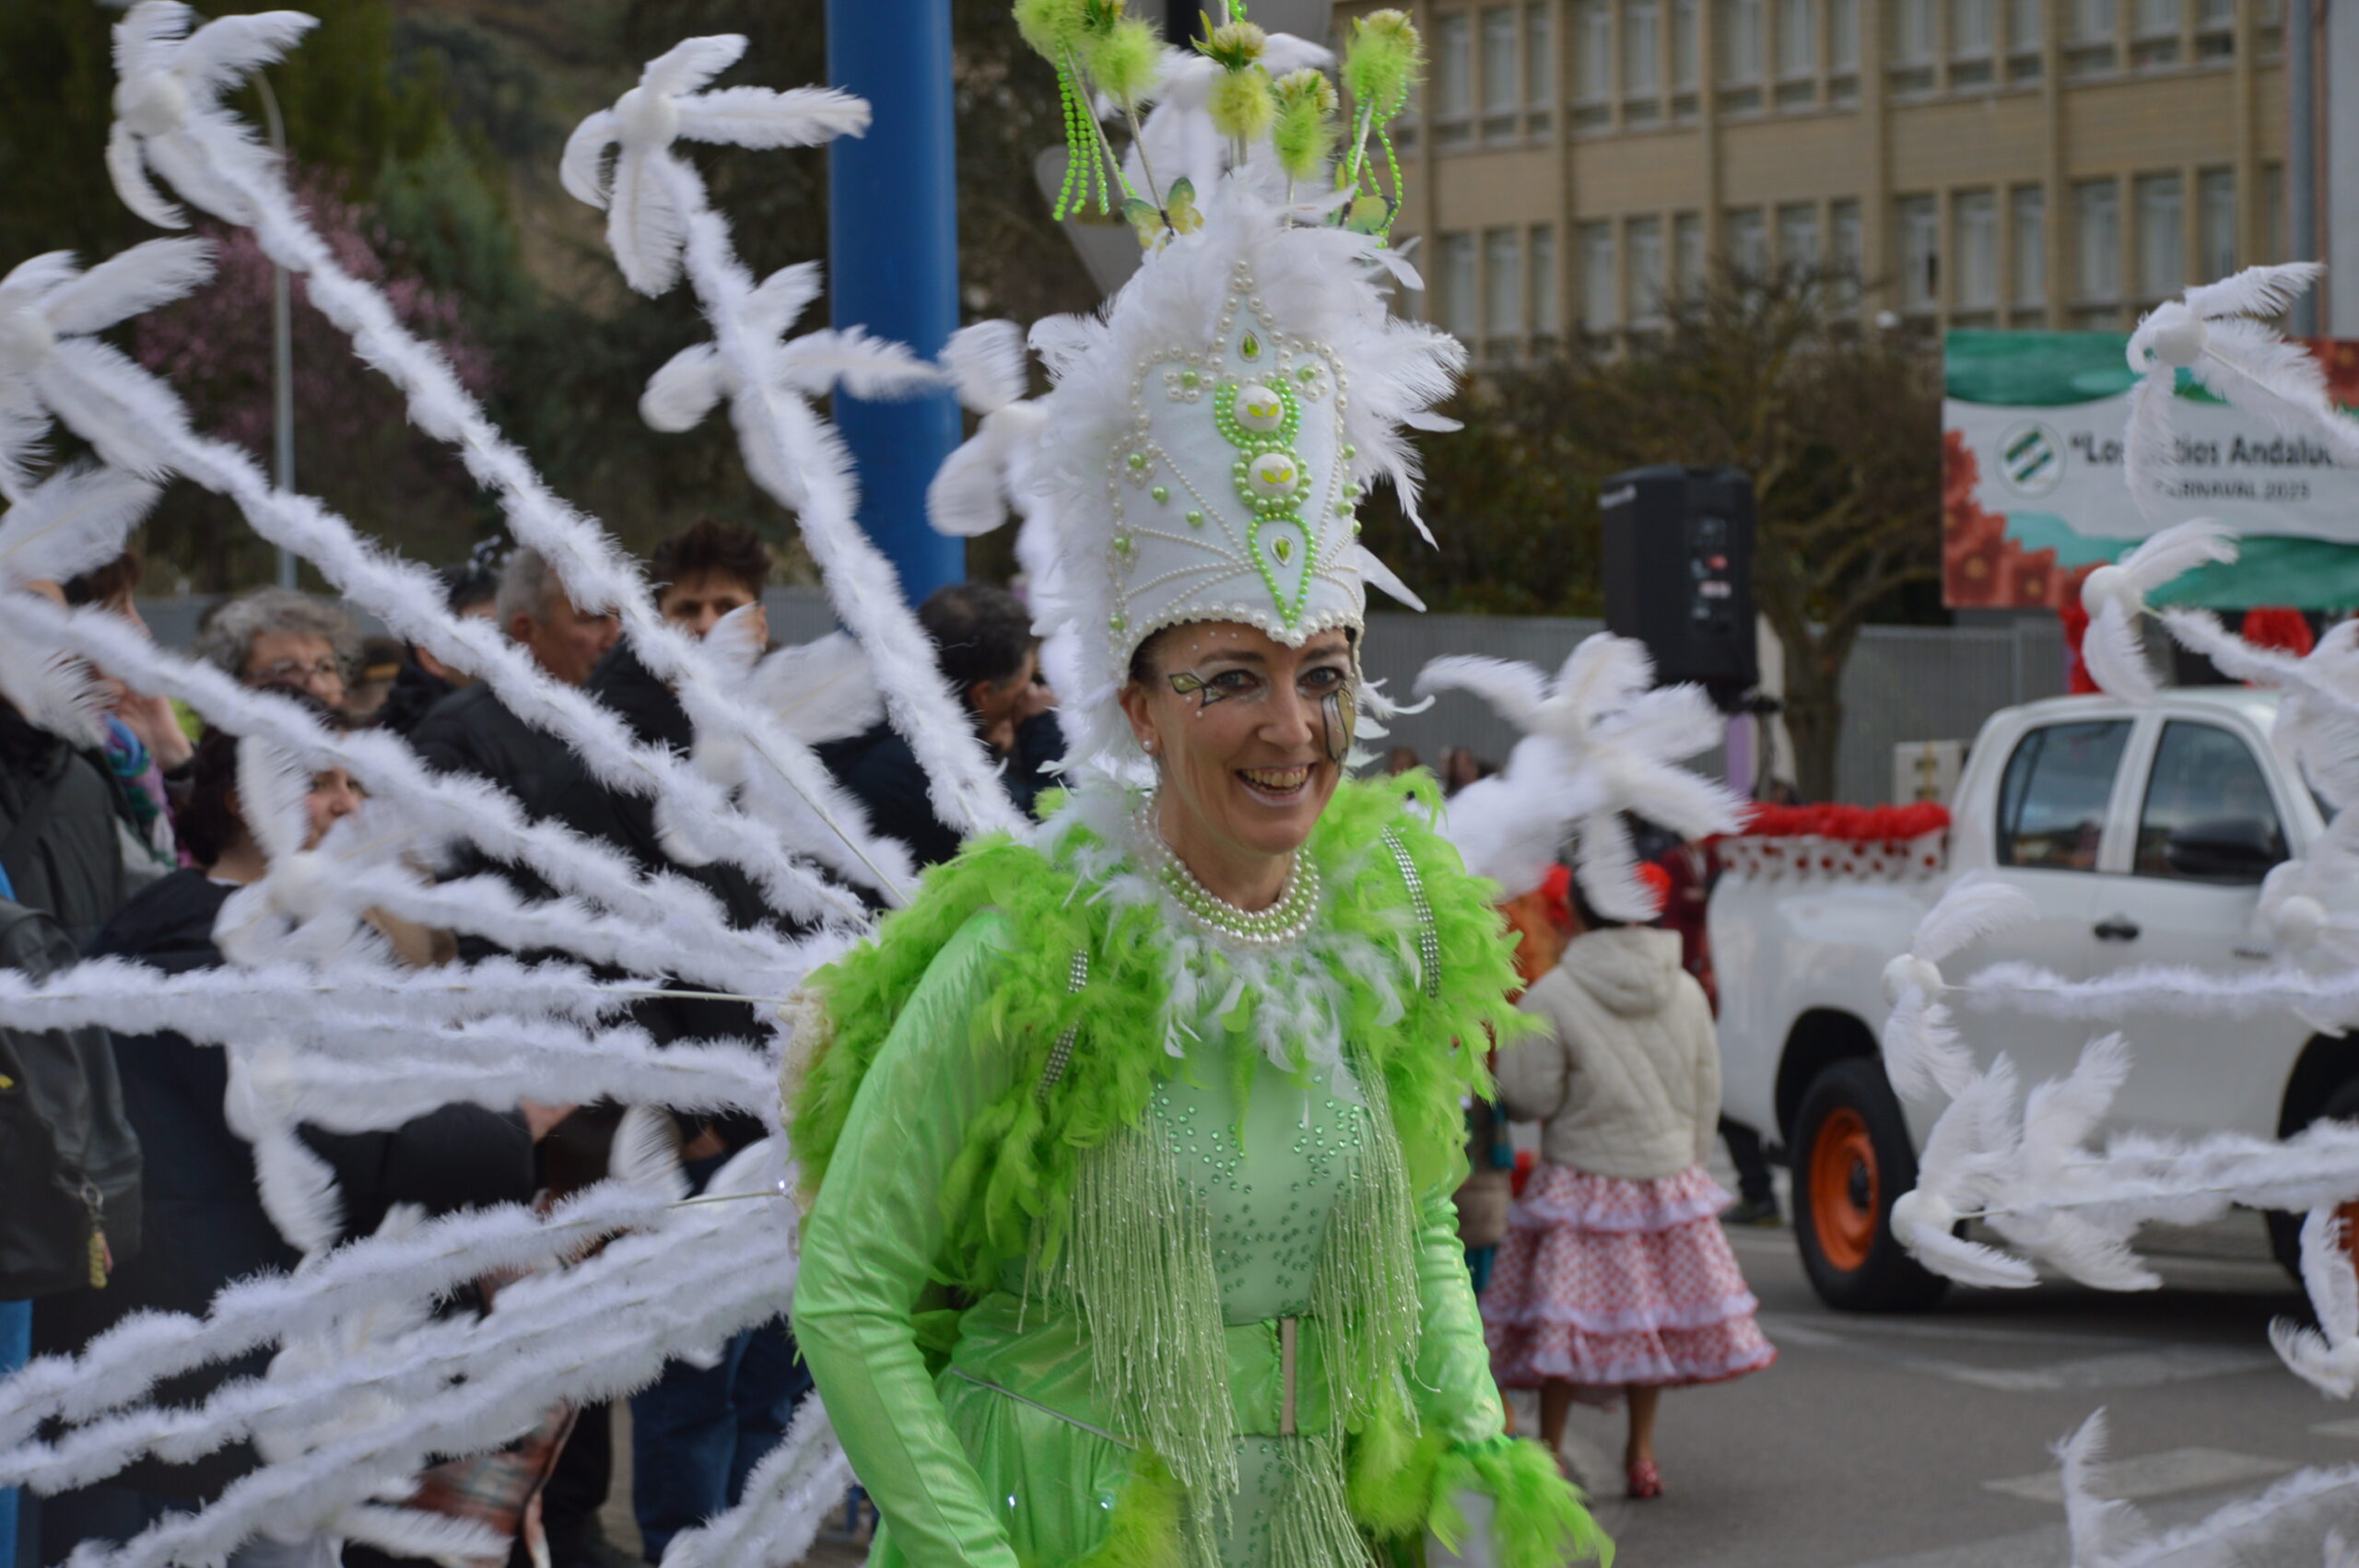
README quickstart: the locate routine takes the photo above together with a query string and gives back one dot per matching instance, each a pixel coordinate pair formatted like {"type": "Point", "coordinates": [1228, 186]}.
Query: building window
{"type": "Point", "coordinates": [2026, 34]}
{"type": "Point", "coordinates": [1546, 320]}
{"type": "Point", "coordinates": [1498, 85]}
{"type": "Point", "coordinates": [1539, 59]}
{"type": "Point", "coordinates": [1456, 292]}
{"type": "Point", "coordinates": [1973, 234]}
{"type": "Point", "coordinates": [2028, 207]}
{"type": "Point", "coordinates": [1502, 283]}
{"type": "Point", "coordinates": [2162, 235]}
{"type": "Point", "coordinates": [2159, 19]}
{"type": "Point", "coordinates": [1646, 269]}
{"type": "Point", "coordinates": [1687, 246]}
{"type": "Point", "coordinates": [2274, 240]}
{"type": "Point", "coordinates": [1687, 43]}
{"type": "Point", "coordinates": [2092, 21]}
{"type": "Point", "coordinates": [1912, 32]}
{"type": "Point", "coordinates": [1453, 75]}
{"type": "Point", "coordinates": [1847, 243]}
{"type": "Point", "coordinates": [1920, 224]}
{"type": "Point", "coordinates": [2216, 16]}
{"type": "Point", "coordinates": [1740, 42]}
{"type": "Point", "coordinates": [1593, 55]}
{"type": "Point", "coordinates": [1972, 24]}
{"type": "Point", "coordinates": [1842, 35]}
{"type": "Point", "coordinates": [1501, 74]}
{"type": "Point", "coordinates": [1600, 305]}
{"type": "Point", "coordinates": [1797, 39]}
{"type": "Point", "coordinates": [2215, 223]}
{"type": "Point", "coordinates": [2096, 225]}
{"type": "Point", "coordinates": [1748, 238]}
{"type": "Point", "coordinates": [1641, 48]}
{"type": "Point", "coordinates": [1798, 235]}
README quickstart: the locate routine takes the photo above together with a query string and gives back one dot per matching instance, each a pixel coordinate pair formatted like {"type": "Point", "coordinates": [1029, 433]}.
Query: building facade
{"type": "Point", "coordinates": [1994, 163]}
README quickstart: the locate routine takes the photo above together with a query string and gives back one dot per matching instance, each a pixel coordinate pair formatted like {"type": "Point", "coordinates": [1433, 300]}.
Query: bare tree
{"type": "Point", "coordinates": [1839, 423]}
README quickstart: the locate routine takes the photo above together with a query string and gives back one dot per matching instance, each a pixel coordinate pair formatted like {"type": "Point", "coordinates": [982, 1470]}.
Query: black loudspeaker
{"type": "Point", "coordinates": [1678, 567]}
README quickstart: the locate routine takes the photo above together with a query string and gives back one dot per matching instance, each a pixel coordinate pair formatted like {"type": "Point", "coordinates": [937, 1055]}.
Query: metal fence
{"type": "Point", "coordinates": [1936, 684]}
{"type": "Point", "coordinates": [1903, 684]}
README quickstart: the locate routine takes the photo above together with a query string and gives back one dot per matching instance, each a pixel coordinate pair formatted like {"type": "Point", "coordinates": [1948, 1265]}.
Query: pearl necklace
{"type": "Point", "coordinates": [1282, 922]}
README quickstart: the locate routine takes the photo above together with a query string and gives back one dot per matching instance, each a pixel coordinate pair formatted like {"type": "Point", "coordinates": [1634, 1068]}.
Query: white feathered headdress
{"type": "Point", "coordinates": [1207, 439]}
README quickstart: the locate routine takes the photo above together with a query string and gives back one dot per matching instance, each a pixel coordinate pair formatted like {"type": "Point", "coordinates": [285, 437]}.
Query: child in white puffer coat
{"type": "Point", "coordinates": [1614, 1278]}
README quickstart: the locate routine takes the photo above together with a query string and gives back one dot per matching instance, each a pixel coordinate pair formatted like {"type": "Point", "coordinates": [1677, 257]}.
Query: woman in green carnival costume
{"type": "Point", "coordinates": [1129, 1151]}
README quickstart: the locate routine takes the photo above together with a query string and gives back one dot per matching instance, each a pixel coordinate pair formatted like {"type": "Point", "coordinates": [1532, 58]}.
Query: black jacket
{"type": "Point", "coordinates": [204, 1220]}
{"type": "Point", "coordinates": [627, 822]}
{"type": "Point", "coordinates": [68, 862]}
{"type": "Point", "coordinates": [881, 771]}
{"type": "Point", "coordinates": [69, 1160]}
{"type": "Point", "coordinates": [472, 731]}
{"type": "Point", "coordinates": [878, 769]}
{"type": "Point", "coordinates": [413, 697]}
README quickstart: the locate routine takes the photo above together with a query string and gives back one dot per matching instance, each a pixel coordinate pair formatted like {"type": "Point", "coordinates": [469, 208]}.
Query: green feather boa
{"type": "Point", "coordinates": [1008, 1187]}
{"type": "Point", "coordinates": [1018, 1159]}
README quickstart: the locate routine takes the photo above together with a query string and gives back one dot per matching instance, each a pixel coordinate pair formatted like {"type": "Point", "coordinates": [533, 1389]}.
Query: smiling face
{"type": "Point", "coordinates": [1249, 735]}
{"type": "Point", "coordinates": [334, 796]}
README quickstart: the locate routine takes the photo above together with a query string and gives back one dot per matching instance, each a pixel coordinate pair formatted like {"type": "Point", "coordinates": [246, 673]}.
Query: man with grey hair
{"type": "Point", "coordinates": [533, 609]}
{"type": "Point", "coordinates": [276, 636]}
{"type": "Point", "coordinates": [471, 730]}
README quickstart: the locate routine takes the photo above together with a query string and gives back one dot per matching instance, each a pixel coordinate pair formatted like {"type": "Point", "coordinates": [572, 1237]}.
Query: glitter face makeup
{"type": "Point", "coordinates": [1339, 715]}
{"type": "Point", "coordinates": [1249, 737]}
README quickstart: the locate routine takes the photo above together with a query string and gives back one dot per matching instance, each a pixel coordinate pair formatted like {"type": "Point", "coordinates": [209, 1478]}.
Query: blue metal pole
{"type": "Point", "coordinates": [893, 262]}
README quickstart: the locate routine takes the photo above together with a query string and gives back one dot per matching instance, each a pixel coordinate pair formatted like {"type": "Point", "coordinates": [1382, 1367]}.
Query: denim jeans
{"type": "Point", "coordinates": [697, 1434]}
{"type": "Point", "coordinates": [16, 1345]}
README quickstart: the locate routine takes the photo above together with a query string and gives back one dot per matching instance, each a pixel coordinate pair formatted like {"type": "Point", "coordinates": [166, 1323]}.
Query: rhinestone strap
{"type": "Point", "coordinates": [1281, 923]}
{"type": "Point", "coordinates": [1428, 938]}
{"type": "Point", "coordinates": [1061, 1053]}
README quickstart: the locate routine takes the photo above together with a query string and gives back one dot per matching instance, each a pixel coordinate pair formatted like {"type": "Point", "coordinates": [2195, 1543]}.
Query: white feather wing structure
{"type": "Point", "coordinates": [100, 400]}
{"type": "Point", "coordinates": [170, 75]}
{"type": "Point", "coordinates": [1501, 834]}
{"type": "Point", "coordinates": [787, 1497]}
{"type": "Point", "coordinates": [821, 691]}
{"type": "Point", "coordinates": [2325, 1357]}
{"type": "Point", "coordinates": [1598, 743]}
{"type": "Point", "coordinates": [75, 520]}
{"type": "Point", "coordinates": [1921, 1049]}
{"type": "Point", "coordinates": [386, 767]}
{"type": "Point", "coordinates": [2218, 335]}
{"type": "Point", "coordinates": [2115, 597]}
{"type": "Point", "coordinates": [988, 365]}
{"type": "Point", "coordinates": [596, 574]}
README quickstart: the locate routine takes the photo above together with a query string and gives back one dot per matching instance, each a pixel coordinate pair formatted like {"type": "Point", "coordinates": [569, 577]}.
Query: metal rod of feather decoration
{"type": "Point", "coordinates": [282, 340]}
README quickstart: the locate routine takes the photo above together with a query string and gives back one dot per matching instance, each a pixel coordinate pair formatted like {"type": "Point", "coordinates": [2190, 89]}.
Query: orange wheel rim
{"type": "Point", "coordinates": [1844, 1191]}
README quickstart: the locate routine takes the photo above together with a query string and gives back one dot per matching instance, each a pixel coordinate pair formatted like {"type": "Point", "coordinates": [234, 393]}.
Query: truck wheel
{"type": "Point", "coordinates": [1852, 1158]}
{"type": "Point", "coordinates": [2286, 1230]}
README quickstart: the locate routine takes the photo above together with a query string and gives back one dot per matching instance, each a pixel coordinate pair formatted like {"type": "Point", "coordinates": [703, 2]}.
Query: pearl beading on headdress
{"type": "Point", "coordinates": [1231, 490]}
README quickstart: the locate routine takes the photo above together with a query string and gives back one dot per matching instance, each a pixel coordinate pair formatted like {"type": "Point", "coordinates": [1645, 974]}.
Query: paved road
{"type": "Point", "coordinates": [1921, 1442]}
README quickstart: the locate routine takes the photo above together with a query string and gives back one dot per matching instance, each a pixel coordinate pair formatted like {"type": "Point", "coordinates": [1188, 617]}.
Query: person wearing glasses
{"type": "Point", "coordinates": [276, 636]}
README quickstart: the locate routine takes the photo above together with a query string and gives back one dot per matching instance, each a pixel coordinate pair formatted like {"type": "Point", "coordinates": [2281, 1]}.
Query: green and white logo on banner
{"type": "Point", "coordinates": [2034, 493]}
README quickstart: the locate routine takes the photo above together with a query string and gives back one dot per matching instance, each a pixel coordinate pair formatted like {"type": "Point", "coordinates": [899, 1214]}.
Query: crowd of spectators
{"type": "Point", "coordinates": [123, 1186]}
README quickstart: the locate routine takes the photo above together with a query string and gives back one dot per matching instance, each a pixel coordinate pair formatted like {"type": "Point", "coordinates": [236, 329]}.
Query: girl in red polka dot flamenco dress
{"type": "Point", "coordinates": [1614, 1280]}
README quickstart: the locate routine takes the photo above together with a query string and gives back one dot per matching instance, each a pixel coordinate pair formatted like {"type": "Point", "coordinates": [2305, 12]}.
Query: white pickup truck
{"type": "Point", "coordinates": [2143, 834]}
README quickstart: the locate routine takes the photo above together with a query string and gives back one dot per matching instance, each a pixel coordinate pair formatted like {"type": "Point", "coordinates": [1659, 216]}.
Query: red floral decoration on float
{"type": "Point", "coordinates": [1838, 841]}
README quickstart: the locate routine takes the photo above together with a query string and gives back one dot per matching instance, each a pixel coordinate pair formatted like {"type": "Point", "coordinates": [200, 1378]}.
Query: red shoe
{"type": "Point", "coordinates": [1645, 1479]}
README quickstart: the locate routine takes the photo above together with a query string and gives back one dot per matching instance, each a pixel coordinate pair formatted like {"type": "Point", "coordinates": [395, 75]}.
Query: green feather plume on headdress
{"type": "Point", "coordinates": [1303, 129]}
{"type": "Point", "coordinates": [1382, 61]}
